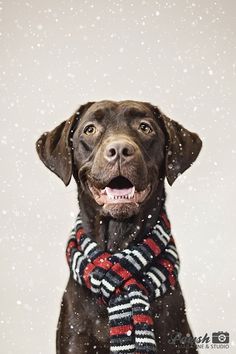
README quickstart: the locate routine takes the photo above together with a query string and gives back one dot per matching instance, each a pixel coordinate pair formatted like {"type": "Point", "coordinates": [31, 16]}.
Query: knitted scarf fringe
{"type": "Point", "coordinates": [127, 282]}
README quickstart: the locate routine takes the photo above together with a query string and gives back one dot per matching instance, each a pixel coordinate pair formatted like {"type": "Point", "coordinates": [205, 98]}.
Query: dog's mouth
{"type": "Point", "coordinates": [120, 190]}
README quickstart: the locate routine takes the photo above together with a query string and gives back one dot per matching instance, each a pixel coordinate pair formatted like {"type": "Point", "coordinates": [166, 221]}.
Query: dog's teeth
{"type": "Point", "coordinates": [120, 197]}
{"type": "Point", "coordinates": [132, 193]}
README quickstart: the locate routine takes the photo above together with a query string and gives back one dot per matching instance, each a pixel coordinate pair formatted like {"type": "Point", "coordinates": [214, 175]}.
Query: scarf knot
{"type": "Point", "coordinates": [127, 281]}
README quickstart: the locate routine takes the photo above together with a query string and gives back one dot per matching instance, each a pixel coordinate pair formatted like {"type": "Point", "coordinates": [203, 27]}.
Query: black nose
{"type": "Point", "coordinates": [119, 149]}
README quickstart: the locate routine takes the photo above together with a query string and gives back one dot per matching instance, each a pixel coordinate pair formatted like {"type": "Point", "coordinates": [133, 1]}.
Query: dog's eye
{"type": "Point", "coordinates": [90, 129]}
{"type": "Point", "coordinates": [145, 128]}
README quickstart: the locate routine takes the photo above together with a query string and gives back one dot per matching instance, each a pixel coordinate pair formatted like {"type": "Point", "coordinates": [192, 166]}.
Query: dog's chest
{"type": "Point", "coordinates": [98, 318]}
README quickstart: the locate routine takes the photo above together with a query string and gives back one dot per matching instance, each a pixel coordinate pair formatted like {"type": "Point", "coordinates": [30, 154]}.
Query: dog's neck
{"type": "Point", "coordinates": [112, 234]}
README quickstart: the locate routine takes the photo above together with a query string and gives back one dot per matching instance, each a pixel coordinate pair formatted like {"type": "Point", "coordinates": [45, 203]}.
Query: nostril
{"type": "Point", "coordinates": [126, 152]}
{"type": "Point", "coordinates": [111, 152]}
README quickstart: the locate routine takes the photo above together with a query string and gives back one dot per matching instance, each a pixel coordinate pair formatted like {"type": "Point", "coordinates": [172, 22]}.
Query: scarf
{"type": "Point", "coordinates": [127, 281]}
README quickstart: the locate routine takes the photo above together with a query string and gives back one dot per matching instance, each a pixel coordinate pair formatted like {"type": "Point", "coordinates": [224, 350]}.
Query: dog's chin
{"type": "Point", "coordinates": [120, 210]}
{"type": "Point", "coordinates": [119, 199]}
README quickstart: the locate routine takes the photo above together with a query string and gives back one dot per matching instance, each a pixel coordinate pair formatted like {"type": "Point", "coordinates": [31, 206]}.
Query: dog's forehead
{"type": "Point", "coordinates": [114, 108]}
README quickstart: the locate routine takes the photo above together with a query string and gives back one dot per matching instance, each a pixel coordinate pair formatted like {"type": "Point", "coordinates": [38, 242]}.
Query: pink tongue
{"type": "Point", "coordinates": [115, 192]}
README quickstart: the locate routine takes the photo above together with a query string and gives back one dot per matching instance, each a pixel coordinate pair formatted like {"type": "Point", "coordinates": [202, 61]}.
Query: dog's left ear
{"type": "Point", "coordinates": [54, 147]}
{"type": "Point", "coordinates": [182, 148]}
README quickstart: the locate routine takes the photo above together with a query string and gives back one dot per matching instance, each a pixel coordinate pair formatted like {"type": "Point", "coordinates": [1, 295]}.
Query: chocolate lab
{"type": "Point", "coordinates": [119, 154]}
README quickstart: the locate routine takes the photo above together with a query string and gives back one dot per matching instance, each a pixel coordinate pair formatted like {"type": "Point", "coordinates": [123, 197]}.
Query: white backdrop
{"type": "Point", "coordinates": [56, 55]}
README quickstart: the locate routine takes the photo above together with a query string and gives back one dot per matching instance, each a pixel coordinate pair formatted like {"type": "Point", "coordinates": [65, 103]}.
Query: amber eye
{"type": "Point", "coordinates": [90, 129]}
{"type": "Point", "coordinates": [145, 128]}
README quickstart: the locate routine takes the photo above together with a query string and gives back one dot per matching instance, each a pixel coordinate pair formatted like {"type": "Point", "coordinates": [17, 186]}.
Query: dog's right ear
{"type": "Point", "coordinates": [182, 146]}
{"type": "Point", "coordinates": [54, 148]}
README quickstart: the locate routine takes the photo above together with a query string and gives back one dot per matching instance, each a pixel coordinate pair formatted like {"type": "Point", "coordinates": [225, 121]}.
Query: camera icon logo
{"type": "Point", "coordinates": [220, 337]}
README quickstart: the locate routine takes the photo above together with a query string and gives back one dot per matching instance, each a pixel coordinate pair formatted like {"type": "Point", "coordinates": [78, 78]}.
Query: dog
{"type": "Point", "coordinates": [127, 146]}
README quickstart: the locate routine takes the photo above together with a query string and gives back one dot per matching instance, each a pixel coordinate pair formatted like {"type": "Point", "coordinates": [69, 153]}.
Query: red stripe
{"type": "Point", "coordinates": [120, 330]}
{"type": "Point", "coordinates": [167, 264]}
{"type": "Point", "coordinates": [87, 271]}
{"type": "Point", "coordinates": [166, 220]}
{"type": "Point", "coordinates": [122, 272]}
{"type": "Point", "coordinates": [143, 319]}
{"type": "Point", "coordinates": [103, 262]}
{"type": "Point", "coordinates": [133, 281]}
{"type": "Point", "coordinates": [172, 279]}
{"type": "Point", "coordinates": [71, 244]}
{"type": "Point", "coordinates": [154, 247]}
{"type": "Point", "coordinates": [79, 233]}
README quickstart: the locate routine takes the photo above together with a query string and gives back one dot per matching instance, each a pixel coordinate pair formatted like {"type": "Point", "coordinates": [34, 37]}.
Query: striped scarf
{"type": "Point", "coordinates": [127, 282]}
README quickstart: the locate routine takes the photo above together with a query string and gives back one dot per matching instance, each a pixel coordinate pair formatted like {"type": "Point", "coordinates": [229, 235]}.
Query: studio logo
{"type": "Point", "coordinates": [218, 340]}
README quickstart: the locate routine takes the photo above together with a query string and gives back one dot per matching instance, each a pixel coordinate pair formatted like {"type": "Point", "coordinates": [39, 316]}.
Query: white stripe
{"type": "Point", "coordinates": [95, 290]}
{"type": "Point", "coordinates": [119, 255]}
{"type": "Point", "coordinates": [84, 243]}
{"type": "Point", "coordinates": [122, 347]}
{"type": "Point", "coordinates": [163, 288]}
{"type": "Point", "coordinates": [95, 281]}
{"type": "Point", "coordinates": [172, 246]}
{"type": "Point", "coordinates": [163, 233]}
{"type": "Point", "coordinates": [119, 307]}
{"type": "Point", "coordinates": [137, 293]}
{"type": "Point", "coordinates": [140, 257]}
{"type": "Point", "coordinates": [105, 293]}
{"type": "Point", "coordinates": [177, 266]}
{"type": "Point", "coordinates": [75, 267]}
{"type": "Point", "coordinates": [145, 340]}
{"type": "Point", "coordinates": [107, 285]}
{"type": "Point", "coordinates": [75, 257]}
{"type": "Point", "coordinates": [72, 234]}
{"type": "Point", "coordinates": [127, 251]}
{"type": "Point", "coordinates": [156, 270]}
{"type": "Point", "coordinates": [174, 254]}
{"type": "Point", "coordinates": [157, 292]}
{"type": "Point", "coordinates": [133, 261]}
{"type": "Point", "coordinates": [161, 237]}
{"type": "Point", "coordinates": [78, 221]}
{"type": "Point", "coordinates": [154, 278]}
{"type": "Point", "coordinates": [140, 301]}
{"type": "Point", "coordinates": [89, 248]}
{"type": "Point", "coordinates": [145, 333]}
{"type": "Point", "coordinates": [120, 315]}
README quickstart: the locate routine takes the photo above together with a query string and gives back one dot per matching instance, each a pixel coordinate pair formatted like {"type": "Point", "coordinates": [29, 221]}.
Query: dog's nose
{"type": "Point", "coordinates": [119, 149]}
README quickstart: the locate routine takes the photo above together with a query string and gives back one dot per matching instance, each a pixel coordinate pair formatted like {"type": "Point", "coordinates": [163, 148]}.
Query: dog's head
{"type": "Point", "coordinates": [118, 153]}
